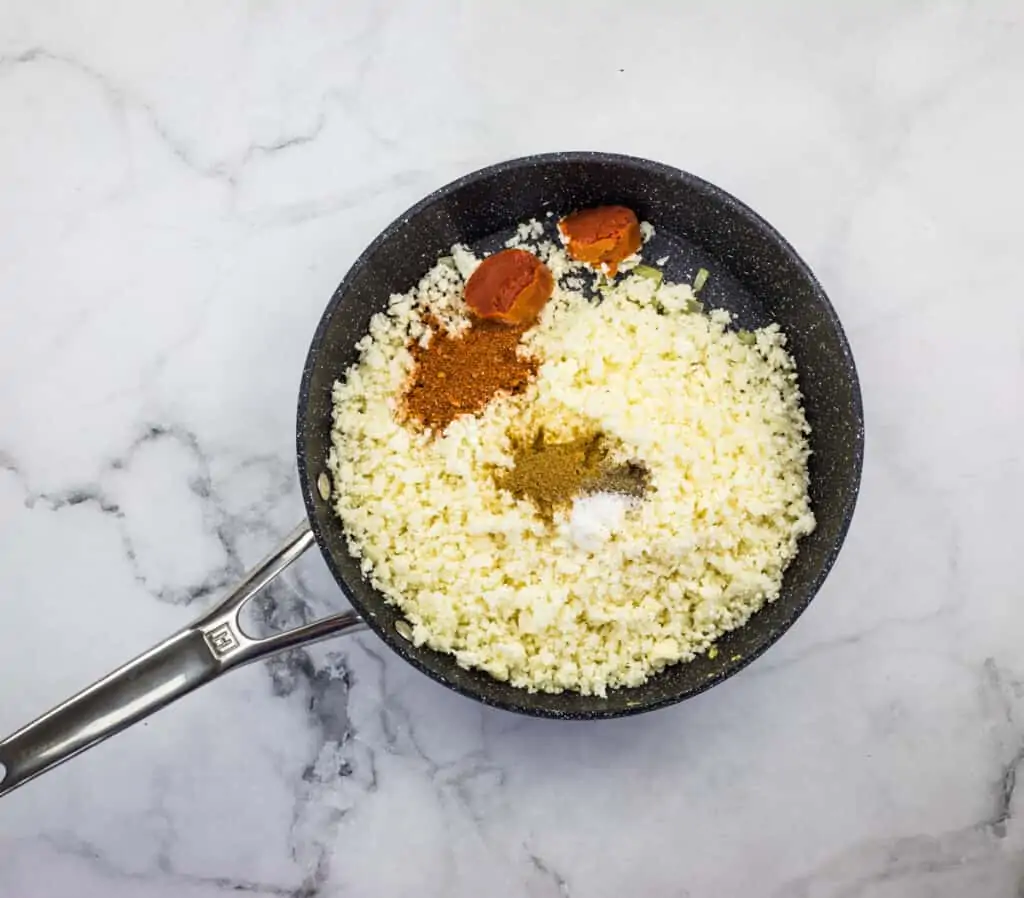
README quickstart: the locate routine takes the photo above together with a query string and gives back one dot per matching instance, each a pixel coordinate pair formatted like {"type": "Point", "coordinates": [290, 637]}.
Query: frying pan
{"type": "Point", "coordinates": [754, 273]}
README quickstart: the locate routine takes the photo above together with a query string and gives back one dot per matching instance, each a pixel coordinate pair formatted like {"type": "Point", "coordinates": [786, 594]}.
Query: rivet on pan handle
{"type": "Point", "coordinates": [210, 646]}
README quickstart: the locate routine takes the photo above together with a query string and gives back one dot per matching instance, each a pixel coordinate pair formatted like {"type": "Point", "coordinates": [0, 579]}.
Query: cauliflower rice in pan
{"type": "Point", "coordinates": [611, 585]}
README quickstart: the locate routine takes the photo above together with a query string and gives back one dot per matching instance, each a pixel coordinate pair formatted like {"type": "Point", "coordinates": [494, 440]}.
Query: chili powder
{"type": "Point", "coordinates": [458, 375]}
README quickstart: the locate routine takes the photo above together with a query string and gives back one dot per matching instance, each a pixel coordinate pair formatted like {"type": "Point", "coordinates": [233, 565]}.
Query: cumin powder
{"type": "Point", "coordinates": [554, 475]}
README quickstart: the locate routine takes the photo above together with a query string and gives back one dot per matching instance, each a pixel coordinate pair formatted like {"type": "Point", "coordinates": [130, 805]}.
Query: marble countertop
{"type": "Point", "coordinates": [181, 188]}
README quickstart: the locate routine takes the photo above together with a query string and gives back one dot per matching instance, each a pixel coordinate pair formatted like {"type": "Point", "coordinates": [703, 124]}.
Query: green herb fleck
{"type": "Point", "coordinates": [747, 338]}
{"type": "Point", "coordinates": [700, 280]}
{"type": "Point", "coordinates": [652, 274]}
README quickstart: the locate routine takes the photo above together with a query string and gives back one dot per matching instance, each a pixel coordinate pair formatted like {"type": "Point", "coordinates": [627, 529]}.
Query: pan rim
{"type": "Point", "coordinates": [307, 467]}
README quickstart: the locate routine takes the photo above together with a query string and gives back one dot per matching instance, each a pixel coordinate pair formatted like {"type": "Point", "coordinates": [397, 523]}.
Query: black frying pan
{"type": "Point", "coordinates": [755, 274]}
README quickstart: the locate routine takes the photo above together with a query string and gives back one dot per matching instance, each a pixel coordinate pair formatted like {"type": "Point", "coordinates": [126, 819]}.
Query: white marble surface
{"type": "Point", "coordinates": [181, 188]}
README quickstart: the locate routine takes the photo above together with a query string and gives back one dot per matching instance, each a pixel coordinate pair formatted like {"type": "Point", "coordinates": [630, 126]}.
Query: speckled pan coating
{"type": "Point", "coordinates": [754, 272]}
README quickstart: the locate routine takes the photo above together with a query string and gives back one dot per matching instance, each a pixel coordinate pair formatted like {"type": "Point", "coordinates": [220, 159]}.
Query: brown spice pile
{"type": "Point", "coordinates": [553, 475]}
{"type": "Point", "coordinates": [459, 375]}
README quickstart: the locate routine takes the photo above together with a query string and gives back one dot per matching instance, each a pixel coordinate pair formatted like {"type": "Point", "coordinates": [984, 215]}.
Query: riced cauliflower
{"type": "Point", "coordinates": [715, 419]}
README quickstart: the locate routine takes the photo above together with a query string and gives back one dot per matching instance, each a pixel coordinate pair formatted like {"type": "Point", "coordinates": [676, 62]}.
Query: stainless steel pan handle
{"type": "Point", "coordinates": [208, 647]}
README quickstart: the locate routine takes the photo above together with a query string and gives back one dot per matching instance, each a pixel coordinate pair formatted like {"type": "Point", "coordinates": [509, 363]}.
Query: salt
{"type": "Point", "coordinates": [596, 517]}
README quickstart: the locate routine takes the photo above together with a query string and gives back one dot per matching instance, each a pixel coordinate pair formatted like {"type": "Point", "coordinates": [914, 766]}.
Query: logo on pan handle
{"type": "Point", "coordinates": [222, 640]}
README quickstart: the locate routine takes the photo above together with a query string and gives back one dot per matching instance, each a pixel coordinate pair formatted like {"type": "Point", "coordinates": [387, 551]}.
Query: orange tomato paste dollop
{"type": "Point", "coordinates": [604, 235]}
{"type": "Point", "coordinates": [511, 286]}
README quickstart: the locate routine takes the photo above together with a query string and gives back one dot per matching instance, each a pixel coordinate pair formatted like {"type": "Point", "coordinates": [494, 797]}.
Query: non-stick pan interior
{"type": "Point", "coordinates": [754, 274]}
